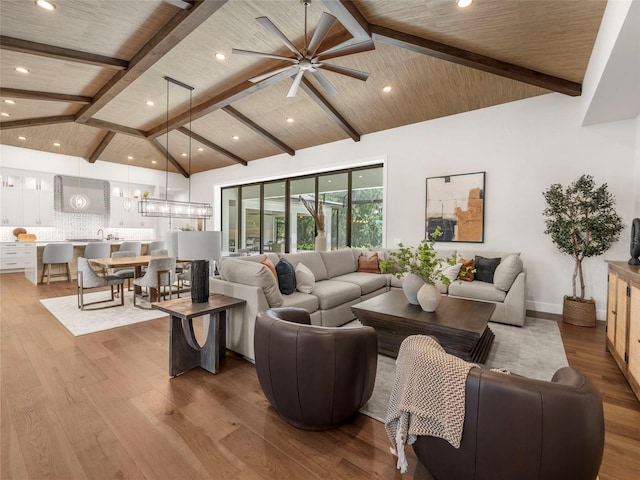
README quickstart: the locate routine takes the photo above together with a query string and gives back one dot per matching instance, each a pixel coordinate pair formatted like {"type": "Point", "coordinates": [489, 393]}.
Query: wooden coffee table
{"type": "Point", "coordinates": [461, 326]}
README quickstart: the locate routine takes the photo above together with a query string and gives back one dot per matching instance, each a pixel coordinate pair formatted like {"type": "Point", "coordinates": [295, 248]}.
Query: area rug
{"type": "Point", "coordinates": [534, 350]}
{"type": "Point", "coordinates": [82, 322]}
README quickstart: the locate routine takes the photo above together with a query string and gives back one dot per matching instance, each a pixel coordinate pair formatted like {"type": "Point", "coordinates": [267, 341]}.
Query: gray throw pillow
{"type": "Point", "coordinates": [506, 273]}
{"type": "Point", "coordinates": [286, 277]}
{"type": "Point", "coordinates": [485, 268]}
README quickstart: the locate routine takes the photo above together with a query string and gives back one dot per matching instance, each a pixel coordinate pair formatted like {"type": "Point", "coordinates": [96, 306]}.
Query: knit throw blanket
{"type": "Point", "coordinates": [428, 395]}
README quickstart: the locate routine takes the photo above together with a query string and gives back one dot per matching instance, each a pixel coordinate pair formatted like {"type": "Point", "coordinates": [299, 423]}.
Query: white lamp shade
{"type": "Point", "coordinates": [196, 245]}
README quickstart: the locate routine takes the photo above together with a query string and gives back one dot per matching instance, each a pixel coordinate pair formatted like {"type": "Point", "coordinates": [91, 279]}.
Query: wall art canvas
{"type": "Point", "coordinates": [455, 203]}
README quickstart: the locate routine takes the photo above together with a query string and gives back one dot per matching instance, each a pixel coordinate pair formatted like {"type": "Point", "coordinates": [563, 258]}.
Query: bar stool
{"type": "Point", "coordinates": [135, 247]}
{"type": "Point", "coordinates": [97, 250]}
{"type": "Point", "coordinates": [56, 253]}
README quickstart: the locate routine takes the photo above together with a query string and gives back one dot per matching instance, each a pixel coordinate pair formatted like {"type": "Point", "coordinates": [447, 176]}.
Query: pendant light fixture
{"type": "Point", "coordinates": [158, 207]}
{"type": "Point", "coordinates": [79, 201]}
{"type": "Point", "coordinates": [127, 202]}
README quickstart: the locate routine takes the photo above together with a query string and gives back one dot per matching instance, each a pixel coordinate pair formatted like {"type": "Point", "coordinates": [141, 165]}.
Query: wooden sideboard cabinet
{"type": "Point", "coordinates": [623, 320]}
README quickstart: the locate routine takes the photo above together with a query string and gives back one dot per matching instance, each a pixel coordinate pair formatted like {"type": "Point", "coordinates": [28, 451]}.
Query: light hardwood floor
{"type": "Point", "coordinates": [103, 406]}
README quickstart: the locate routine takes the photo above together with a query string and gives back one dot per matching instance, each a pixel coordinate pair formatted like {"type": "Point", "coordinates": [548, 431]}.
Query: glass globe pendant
{"type": "Point", "coordinates": [79, 201]}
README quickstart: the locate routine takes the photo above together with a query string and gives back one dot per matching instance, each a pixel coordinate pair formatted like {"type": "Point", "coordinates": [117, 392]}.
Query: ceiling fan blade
{"type": "Point", "coordinates": [237, 51]}
{"type": "Point", "coordinates": [259, 78]}
{"type": "Point", "coordinates": [268, 24]}
{"type": "Point", "coordinates": [348, 50]}
{"type": "Point", "coordinates": [296, 83]}
{"type": "Point", "coordinates": [326, 22]}
{"type": "Point", "coordinates": [322, 80]}
{"type": "Point", "coordinates": [345, 71]}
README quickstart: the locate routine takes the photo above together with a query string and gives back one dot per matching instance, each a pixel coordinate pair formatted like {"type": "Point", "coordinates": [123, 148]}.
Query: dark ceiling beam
{"type": "Point", "coordinates": [329, 109]}
{"type": "Point", "coordinates": [114, 127]}
{"type": "Point", "coordinates": [166, 154]}
{"type": "Point", "coordinates": [36, 122]}
{"type": "Point", "coordinates": [183, 4]}
{"type": "Point", "coordinates": [45, 96]}
{"type": "Point", "coordinates": [212, 145]}
{"type": "Point", "coordinates": [219, 101]}
{"type": "Point", "coordinates": [474, 60]}
{"type": "Point", "coordinates": [350, 17]}
{"type": "Point", "coordinates": [176, 30]}
{"type": "Point", "coordinates": [44, 50]}
{"type": "Point", "coordinates": [257, 128]}
{"type": "Point", "coordinates": [106, 140]}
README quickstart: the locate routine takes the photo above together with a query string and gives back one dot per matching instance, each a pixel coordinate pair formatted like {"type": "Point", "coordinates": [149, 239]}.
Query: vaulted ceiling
{"type": "Point", "coordinates": [93, 65]}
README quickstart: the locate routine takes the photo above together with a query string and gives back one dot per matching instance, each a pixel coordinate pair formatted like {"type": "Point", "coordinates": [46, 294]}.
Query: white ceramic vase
{"type": "Point", "coordinates": [429, 297]}
{"type": "Point", "coordinates": [410, 285]}
{"type": "Point", "coordinates": [321, 242]}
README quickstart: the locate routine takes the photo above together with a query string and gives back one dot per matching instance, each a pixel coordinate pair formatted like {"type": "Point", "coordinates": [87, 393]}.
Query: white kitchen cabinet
{"type": "Point", "coordinates": [11, 199]}
{"type": "Point", "coordinates": [37, 195]}
{"type": "Point", "coordinates": [19, 256]}
{"type": "Point", "coordinates": [119, 216]}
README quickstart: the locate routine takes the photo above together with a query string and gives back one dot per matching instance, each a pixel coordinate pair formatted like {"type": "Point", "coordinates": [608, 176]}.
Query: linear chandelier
{"type": "Point", "coordinates": [158, 207]}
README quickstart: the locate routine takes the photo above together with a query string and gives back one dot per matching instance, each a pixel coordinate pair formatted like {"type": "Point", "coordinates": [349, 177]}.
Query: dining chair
{"type": "Point", "coordinates": [161, 272]}
{"type": "Point", "coordinates": [87, 279]}
{"type": "Point", "coordinates": [125, 272]}
{"type": "Point", "coordinates": [135, 247]}
{"type": "Point", "coordinates": [56, 253]}
{"type": "Point", "coordinates": [160, 252]}
{"type": "Point", "coordinates": [156, 245]}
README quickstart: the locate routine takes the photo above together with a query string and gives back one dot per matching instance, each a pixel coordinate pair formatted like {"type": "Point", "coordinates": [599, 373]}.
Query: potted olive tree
{"type": "Point", "coordinates": [582, 222]}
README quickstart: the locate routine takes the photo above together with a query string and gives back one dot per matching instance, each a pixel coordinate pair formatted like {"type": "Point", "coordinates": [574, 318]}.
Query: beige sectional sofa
{"type": "Point", "coordinates": [338, 286]}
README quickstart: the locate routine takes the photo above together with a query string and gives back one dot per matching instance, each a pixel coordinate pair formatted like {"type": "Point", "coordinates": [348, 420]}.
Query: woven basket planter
{"type": "Point", "coordinates": [579, 312]}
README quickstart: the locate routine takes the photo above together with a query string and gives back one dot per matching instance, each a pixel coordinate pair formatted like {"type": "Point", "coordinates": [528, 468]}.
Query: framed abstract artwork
{"type": "Point", "coordinates": [455, 203]}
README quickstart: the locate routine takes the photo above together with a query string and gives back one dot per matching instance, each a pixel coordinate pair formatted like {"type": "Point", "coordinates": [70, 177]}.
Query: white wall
{"type": "Point", "coordinates": [523, 146]}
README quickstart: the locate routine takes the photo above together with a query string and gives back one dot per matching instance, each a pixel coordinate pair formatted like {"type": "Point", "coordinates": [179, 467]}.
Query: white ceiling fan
{"type": "Point", "coordinates": [309, 59]}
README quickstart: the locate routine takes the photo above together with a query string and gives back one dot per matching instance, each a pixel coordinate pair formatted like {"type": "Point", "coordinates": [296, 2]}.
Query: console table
{"type": "Point", "coordinates": [184, 351]}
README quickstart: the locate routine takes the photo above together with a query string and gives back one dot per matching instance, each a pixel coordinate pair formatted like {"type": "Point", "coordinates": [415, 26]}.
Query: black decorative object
{"type": "Point", "coordinates": [199, 281]}
{"type": "Point", "coordinates": [635, 242]}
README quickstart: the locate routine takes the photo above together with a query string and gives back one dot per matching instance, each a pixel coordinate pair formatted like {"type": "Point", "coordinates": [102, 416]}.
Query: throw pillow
{"type": "Point", "coordinates": [286, 277]}
{"type": "Point", "coordinates": [452, 271]}
{"type": "Point", "coordinates": [485, 268]}
{"type": "Point", "coordinates": [507, 272]}
{"type": "Point", "coordinates": [304, 278]}
{"type": "Point", "coordinates": [466, 270]}
{"type": "Point", "coordinates": [269, 264]}
{"type": "Point", "coordinates": [368, 265]}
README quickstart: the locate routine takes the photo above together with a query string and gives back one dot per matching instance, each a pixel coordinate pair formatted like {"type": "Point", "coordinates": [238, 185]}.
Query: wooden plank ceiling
{"type": "Point", "coordinates": [94, 65]}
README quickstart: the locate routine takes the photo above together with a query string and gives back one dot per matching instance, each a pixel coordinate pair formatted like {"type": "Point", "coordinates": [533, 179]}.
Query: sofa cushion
{"type": "Point", "coordinates": [338, 262]}
{"type": "Point", "coordinates": [301, 300]}
{"type": "Point", "coordinates": [366, 281]}
{"type": "Point", "coordinates": [485, 267]}
{"type": "Point", "coordinates": [269, 264]}
{"type": "Point", "coordinates": [305, 280]}
{"type": "Point", "coordinates": [451, 272]}
{"type": "Point", "coordinates": [477, 290]}
{"type": "Point", "coordinates": [506, 273]}
{"type": "Point", "coordinates": [368, 264]}
{"type": "Point", "coordinates": [286, 277]}
{"type": "Point", "coordinates": [332, 293]}
{"type": "Point", "coordinates": [312, 260]}
{"type": "Point", "coordinates": [466, 271]}
{"type": "Point", "coordinates": [254, 274]}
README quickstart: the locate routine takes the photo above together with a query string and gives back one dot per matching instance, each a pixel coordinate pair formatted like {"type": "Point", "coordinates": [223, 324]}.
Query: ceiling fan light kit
{"type": "Point", "coordinates": [310, 59]}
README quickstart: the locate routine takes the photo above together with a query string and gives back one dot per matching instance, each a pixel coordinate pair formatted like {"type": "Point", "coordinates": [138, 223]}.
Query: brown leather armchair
{"type": "Point", "coordinates": [516, 427]}
{"type": "Point", "coordinates": [316, 378]}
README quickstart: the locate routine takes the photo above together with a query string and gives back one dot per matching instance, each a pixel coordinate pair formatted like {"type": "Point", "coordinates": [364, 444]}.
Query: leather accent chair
{"type": "Point", "coordinates": [315, 377]}
{"type": "Point", "coordinates": [517, 427]}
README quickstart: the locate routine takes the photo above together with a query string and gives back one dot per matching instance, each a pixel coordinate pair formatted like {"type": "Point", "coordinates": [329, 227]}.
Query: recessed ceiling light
{"type": "Point", "coordinates": [183, 154]}
{"type": "Point", "coordinates": [129, 157]}
{"type": "Point", "coordinates": [56, 144]}
{"type": "Point", "coordinates": [149, 103]}
{"type": "Point", "coordinates": [236, 137]}
{"type": "Point", "coordinates": [201, 149]}
{"type": "Point", "coordinates": [464, 3]}
{"type": "Point", "coordinates": [220, 56]}
{"type": "Point", "coordinates": [10, 102]}
{"type": "Point", "coordinates": [290, 120]}
{"type": "Point", "coordinates": [22, 137]}
{"type": "Point", "coordinates": [5, 114]}
{"type": "Point", "coordinates": [21, 69]}
{"type": "Point", "coordinates": [386, 88]}
{"type": "Point", "coordinates": [359, 176]}
{"type": "Point", "coordinates": [45, 4]}
{"type": "Point", "coordinates": [153, 161]}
